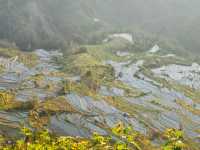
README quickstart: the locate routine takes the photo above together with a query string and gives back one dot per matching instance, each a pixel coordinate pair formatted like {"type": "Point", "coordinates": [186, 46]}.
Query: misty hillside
{"type": "Point", "coordinates": [99, 74]}
{"type": "Point", "coordinates": [33, 23]}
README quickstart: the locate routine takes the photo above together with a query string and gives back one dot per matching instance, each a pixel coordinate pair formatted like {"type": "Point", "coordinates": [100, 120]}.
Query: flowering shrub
{"type": "Point", "coordinates": [174, 140]}
{"type": "Point", "coordinates": [121, 138]}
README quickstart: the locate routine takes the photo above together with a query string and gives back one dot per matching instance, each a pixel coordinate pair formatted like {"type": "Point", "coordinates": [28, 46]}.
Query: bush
{"type": "Point", "coordinates": [6, 44]}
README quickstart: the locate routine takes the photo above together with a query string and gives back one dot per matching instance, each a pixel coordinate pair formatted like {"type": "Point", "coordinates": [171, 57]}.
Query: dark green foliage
{"type": "Point", "coordinates": [49, 23]}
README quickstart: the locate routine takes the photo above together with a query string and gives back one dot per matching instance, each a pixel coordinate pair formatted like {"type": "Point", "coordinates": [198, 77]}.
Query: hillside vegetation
{"type": "Point", "coordinates": [53, 24]}
{"type": "Point", "coordinates": [99, 74]}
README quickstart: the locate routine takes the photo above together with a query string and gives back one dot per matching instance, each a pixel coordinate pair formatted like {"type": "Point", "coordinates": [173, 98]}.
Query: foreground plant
{"type": "Point", "coordinates": [174, 140]}
{"type": "Point", "coordinates": [121, 138]}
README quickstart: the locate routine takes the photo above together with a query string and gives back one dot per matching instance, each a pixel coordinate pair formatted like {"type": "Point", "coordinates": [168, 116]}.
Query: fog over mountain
{"type": "Point", "coordinates": [35, 23]}
{"type": "Point", "coordinates": [99, 74]}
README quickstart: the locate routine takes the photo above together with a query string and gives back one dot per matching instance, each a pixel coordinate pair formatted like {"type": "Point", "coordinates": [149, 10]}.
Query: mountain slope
{"type": "Point", "coordinates": [48, 23]}
{"type": "Point", "coordinates": [92, 90]}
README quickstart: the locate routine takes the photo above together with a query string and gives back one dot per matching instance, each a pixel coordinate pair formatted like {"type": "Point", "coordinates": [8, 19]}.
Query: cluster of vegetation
{"type": "Point", "coordinates": [92, 55]}
{"type": "Point", "coordinates": [121, 138]}
{"type": "Point", "coordinates": [9, 102]}
{"type": "Point", "coordinates": [27, 58]}
{"type": "Point", "coordinates": [48, 28]}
